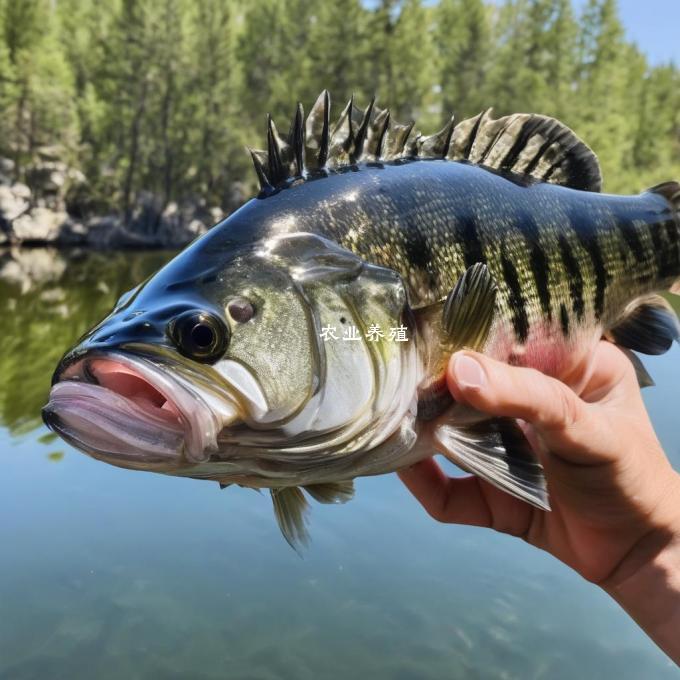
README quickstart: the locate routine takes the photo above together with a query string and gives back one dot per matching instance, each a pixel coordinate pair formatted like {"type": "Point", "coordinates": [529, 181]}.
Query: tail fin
{"type": "Point", "coordinates": [671, 192]}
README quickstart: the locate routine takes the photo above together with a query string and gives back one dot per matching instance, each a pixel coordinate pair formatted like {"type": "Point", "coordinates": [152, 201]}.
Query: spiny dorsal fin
{"type": "Point", "coordinates": [436, 145]}
{"type": "Point", "coordinates": [296, 139]}
{"type": "Point", "coordinates": [524, 143]}
{"type": "Point", "coordinates": [318, 134]}
{"type": "Point", "coordinates": [376, 139]}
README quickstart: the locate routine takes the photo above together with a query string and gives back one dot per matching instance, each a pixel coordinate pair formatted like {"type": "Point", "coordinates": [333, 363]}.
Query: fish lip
{"type": "Point", "coordinates": [76, 367]}
{"type": "Point", "coordinates": [53, 422]}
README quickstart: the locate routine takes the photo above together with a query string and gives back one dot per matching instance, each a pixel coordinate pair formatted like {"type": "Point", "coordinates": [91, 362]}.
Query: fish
{"type": "Point", "coordinates": [303, 341]}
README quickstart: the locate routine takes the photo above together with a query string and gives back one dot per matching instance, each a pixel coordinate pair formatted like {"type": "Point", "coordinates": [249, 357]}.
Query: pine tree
{"type": "Point", "coordinates": [603, 118]}
{"type": "Point", "coordinates": [273, 50]}
{"type": "Point", "coordinates": [40, 96]}
{"type": "Point", "coordinates": [216, 157]}
{"type": "Point", "coordinates": [340, 48]}
{"type": "Point", "coordinates": [8, 89]}
{"type": "Point", "coordinates": [161, 95]}
{"type": "Point", "coordinates": [463, 45]}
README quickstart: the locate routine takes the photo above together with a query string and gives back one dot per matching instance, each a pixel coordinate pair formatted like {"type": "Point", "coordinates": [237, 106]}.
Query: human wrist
{"type": "Point", "coordinates": [647, 581]}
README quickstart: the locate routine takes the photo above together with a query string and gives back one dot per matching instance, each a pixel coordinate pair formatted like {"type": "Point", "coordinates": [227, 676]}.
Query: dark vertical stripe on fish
{"type": "Point", "coordinates": [418, 251]}
{"type": "Point", "coordinates": [564, 319]}
{"type": "Point", "coordinates": [602, 278]}
{"type": "Point", "coordinates": [673, 237]}
{"type": "Point", "coordinates": [520, 322]}
{"type": "Point", "coordinates": [466, 232]}
{"type": "Point", "coordinates": [658, 250]}
{"type": "Point", "coordinates": [574, 275]}
{"type": "Point", "coordinates": [538, 261]}
{"type": "Point", "coordinates": [631, 236]}
{"type": "Point", "coordinates": [417, 248]}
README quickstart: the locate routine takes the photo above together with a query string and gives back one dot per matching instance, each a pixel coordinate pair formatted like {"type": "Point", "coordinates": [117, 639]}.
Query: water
{"type": "Point", "coordinates": [107, 573]}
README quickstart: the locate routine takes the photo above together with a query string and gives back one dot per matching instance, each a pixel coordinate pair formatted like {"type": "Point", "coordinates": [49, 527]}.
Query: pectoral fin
{"type": "Point", "coordinates": [469, 308]}
{"type": "Point", "coordinates": [466, 319]}
{"type": "Point", "coordinates": [291, 508]}
{"type": "Point", "coordinates": [497, 451]}
{"type": "Point", "coordinates": [648, 325]}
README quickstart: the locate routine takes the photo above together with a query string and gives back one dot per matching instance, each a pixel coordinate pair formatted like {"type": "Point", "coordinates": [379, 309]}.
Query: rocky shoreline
{"type": "Point", "coordinates": [39, 213]}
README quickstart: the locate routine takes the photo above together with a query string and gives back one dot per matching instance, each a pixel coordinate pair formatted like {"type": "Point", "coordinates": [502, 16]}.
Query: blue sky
{"type": "Point", "coordinates": [654, 25]}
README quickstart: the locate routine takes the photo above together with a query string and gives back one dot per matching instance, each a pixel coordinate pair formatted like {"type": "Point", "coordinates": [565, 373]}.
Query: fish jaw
{"type": "Point", "coordinates": [133, 412]}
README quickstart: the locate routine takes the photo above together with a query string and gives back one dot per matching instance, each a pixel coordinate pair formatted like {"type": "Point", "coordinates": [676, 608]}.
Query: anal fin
{"type": "Point", "coordinates": [648, 325]}
{"type": "Point", "coordinates": [497, 451]}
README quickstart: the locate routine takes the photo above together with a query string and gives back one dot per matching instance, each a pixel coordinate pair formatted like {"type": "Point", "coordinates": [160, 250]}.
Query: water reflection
{"type": "Point", "coordinates": [107, 573]}
{"type": "Point", "coordinates": [47, 300]}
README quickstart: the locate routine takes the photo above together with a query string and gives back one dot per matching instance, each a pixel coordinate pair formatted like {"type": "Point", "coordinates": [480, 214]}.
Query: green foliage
{"type": "Point", "coordinates": [161, 96]}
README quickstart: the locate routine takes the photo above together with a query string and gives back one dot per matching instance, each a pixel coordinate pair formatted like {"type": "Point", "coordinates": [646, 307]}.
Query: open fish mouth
{"type": "Point", "coordinates": [128, 409]}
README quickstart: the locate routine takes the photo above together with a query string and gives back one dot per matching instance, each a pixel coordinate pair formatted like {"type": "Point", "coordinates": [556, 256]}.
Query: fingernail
{"type": "Point", "coordinates": [468, 372]}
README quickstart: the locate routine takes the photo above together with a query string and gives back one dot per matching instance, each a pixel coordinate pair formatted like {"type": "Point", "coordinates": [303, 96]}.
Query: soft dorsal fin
{"type": "Point", "coordinates": [525, 144]}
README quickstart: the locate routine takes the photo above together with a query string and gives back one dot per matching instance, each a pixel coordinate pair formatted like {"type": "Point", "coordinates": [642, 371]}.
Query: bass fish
{"type": "Point", "coordinates": [303, 341]}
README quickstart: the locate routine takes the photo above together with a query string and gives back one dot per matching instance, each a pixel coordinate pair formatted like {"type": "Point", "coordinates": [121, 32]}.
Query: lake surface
{"type": "Point", "coordinates": [107, 573]}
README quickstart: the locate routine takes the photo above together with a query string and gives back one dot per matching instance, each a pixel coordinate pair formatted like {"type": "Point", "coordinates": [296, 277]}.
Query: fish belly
{"type": "Point", "coordinates": [547, 349]}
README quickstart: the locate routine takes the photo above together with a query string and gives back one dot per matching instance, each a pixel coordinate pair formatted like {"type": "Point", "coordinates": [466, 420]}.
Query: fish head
{"type": "Point", "coordinates": [223, 365]}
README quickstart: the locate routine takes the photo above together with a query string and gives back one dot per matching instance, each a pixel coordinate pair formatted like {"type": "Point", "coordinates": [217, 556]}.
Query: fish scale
{"type": "Point", "coordinates": [490, 234]}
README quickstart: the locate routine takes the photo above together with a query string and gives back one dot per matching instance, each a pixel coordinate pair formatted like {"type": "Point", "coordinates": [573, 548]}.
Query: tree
{"type": "Point", "coordinates": [273, 49]}
{"type": "Point", "coordinates": [340, 47]}
{"type": "Point", "coordinates": [158, 97]}
{"type": "Point", "coordinates": [603, 117]}
{"type": "Point", "coordinates": [463, 44]}
{"type": "Point", "coordinates": [38, 89]}
{"type": "Point", "coordinates": [216, 156]}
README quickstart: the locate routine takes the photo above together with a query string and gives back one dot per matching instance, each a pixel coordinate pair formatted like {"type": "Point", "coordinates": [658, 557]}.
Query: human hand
{"type": "Point", "coordinates": [615, 498]}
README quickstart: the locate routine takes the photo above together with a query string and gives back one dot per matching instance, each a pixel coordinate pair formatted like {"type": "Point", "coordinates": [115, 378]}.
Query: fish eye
{"type": "Point", "coordinates": [241, 310]}
{"type": "Point", "coordinates": [199, 335]}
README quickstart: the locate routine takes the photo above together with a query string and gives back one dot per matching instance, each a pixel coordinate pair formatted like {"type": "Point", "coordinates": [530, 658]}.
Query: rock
{"type": "Point", "coordinates": [110, 232]}
{"type": "Point", "coordinates": [40, 225]}
{"type": "Point", "coordinates": [21, 190]}
{"type": "Point", "coordinates": [6, 170]}
{"type": "Point", "coordinates": [216, 215]}
{"type": "Point", "coordinates": [58, 208]}
{"type": "Point", "coordinates": [14, 201]}
{"type": "Point", "coordinates": [26, 268]}
{"type": "Point", "coordinates": [73, 233]}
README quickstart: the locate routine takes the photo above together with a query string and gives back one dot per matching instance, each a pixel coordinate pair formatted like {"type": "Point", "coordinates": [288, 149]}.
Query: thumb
{"type": "Point", "coordinates": [562, 421]}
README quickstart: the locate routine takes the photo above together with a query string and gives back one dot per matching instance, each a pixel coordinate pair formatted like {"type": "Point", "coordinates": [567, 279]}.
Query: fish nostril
{"type": "Point", "coordinates": [104, 338]}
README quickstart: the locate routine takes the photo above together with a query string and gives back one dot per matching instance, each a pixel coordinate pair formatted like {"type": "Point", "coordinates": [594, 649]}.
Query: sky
{"type": "Point", "coordinates": [654, 25]}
